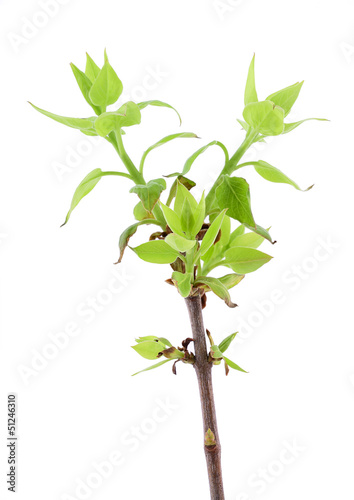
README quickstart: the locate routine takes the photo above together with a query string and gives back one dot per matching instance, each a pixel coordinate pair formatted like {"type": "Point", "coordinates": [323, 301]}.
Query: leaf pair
{"type": "Point", "coordinates": [151, 347]}
{"type": "Point", "coordinates": [216, 353]}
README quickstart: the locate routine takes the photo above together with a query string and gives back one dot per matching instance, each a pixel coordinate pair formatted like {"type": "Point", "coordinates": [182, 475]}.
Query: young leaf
{"type": "Point", "coordinates": [233, 365]}
{"type": "Point", "coordinates": [272, 174]}
{"type": "Point", "coordinates": [149, 193]}
{"type": "Point", "coordinates": [199, 216]}
{"type": "Point", "coordinates": [153, 337]}
{"type": "Point", "coordinates": [209, 438]}
{"type": "Point", "coordinates": [191, 159]}
{"type": "Point", "coordinates": [161, 142]}
{"type": "Point", "coordinates": [215, 286]}
{"type": "Point", "coordinates": [140, 213]}
{"type": "Point", "coordinates": [85, 85]}
{"type": "Point", "coordinates": [91, 70]}
{"type": "Point", "coordinates": [234, 193]}
{"type": "Point", "coordinates": [286, 98]}
{"type": "Point", "coordinates": [172, 219]}
{"type": "Point", "coordinates": [86, 185]}
{"type": "Point", "coordinates": [183, 283]}
{"type": "Point", "coordinates": [225, 344]}
{"type": "Point", "coordinates": [187, 183]}
{"type": "Point", "coordinates": [212, 233]}
{"type": "Point", "coordinates": [237, 232]}
{"type": "Point", "coordinates": [143, 105]}
{"type": "Point", "coordinates": [126, 116]}
{"type": "Point", "coordinates": [106, 88]}
{"type": "Point", "coordinates": [156, 252]}
{"type": "Point", "coordinates": [261, 231]}
{"type": "Point", "coordinates": [244, 260]}
{"type": "Point", "coordinates": [231, 280]}
{"type": "Point", "coordinates": [250, 240]}
{"type": "Point", "coordinates": [149, 349]}
{"type": "Point", "coordinates": [264, 117]}
{"type": "Point", "coordinates": [215, 352]}
{"type": "Point", "coordinates": [289, 127]}
{"type": "Point", "coordinates": [187, 217]}
{"type": "Point", "coordinates": [82, 124]}
{"type": "Point", "coordinates": [128, 233]}
{"type": "Point", "coordinates": [181, 195]}
{"type": "Point", "coordinates": [250, 91]}
{"type": "Point", "coordinates": [152, 367]}
{"type": "Point", "coordinates": [179, 243]}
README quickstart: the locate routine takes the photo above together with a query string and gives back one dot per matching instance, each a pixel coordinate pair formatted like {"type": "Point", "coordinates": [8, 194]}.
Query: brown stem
{"type": "Point", "coordinates": [203, 370]}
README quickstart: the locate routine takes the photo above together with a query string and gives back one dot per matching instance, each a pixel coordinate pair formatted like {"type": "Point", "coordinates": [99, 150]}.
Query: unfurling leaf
{"type": "Point", "coordinates": [172, 219]}
{"type": "Point", "coordinates": [179, 243]}
{"type": "Point", "coordinates": [212, 233]}
{"type": "Point", "coordinates": [187, 183]}
{"type": "Point", "coordinates": [156, 252]}
{"type": "Point", "coordinates": [106, 88]}
{"type": "Point", "coordinates": [83, 124]}
{"type": "Point", "coordinates": [233, 365]}
{"type": "Point", "coordinates": [143, 105]}
{"type": "Point", "coordinates": [183, 283]}
{"type": "Point", "coordinates": [86, 185]}
{"type": "Point", "coordinates": [152, 367]}
{"type": "Point", "coordinates": [140, 213]}
{"type": "Point", "coordinates": [149, 193]}
{"type": "Point", "coordinates": [85, 85]}
{"type": "Point", "coordinates": [91, 70]}
{"type": "Point", "coordinates": [244, 260]}
{"type": "Point", "coordinates": [225, 344]}
{"type": "Point", "coordinates": [286, 98]}
{"type": "Point", "coordinates": [128, 233]}
{"type": "Point", "coordinates": [126, 116]}
{"type": "Point", "coordinates": [289, 127]}
{"type": "Point", "coordinates": [250, 90]}
{"type": "Point", "coordinates": [165, 140]}
{"type": "Point", "coordinates": [231, 280]}
{"type": "Point", "coordinates": [149, 349]}
{"type": "Point", "coordinates": [264, 117]}
{"type": "Point", "coordinates": [215, 286]}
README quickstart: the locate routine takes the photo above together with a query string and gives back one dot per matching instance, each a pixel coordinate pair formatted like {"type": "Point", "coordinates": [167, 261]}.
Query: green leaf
{"type": "Point", "coordinates": [250, 91]}
{"type": "Point", "coordinates": [289, 127]}
{"type": "Point", "coordinates": [244, 125]}
{"type": "Point", "coordinates": [181, 195]}
{"type": "Point", "coordinates": [187, 183]}
{"type": "Point", "coordinates": [106, 88]}
{"type": "Point", "coordinates": [237, 232]}
{"type": "Point", "coordinates": [152, 367]}
{"type": "Point", "coordinates": [286, 98]}
{"type": "Point", "coordinates": [179, 243]}
{"type": "Point", "coordinates": [234, 193]}
{"type": "Point", "coordinates": [225, 344]}
{"type": "Point", "coordinates": [191, 159]}
{"type": "Point", "coordinates": [140, 213]}
{"type": "Point", "coordinates": [85, 85]}
{"type": "Point", "coordinates": [264, 117]}
{"type": "Point", "coordinates": [215, 286]}
{"type": "Point", "coordinates": [199, 216]}
{"type": "Point", "coordinates": [149, 349]}
{"type": "Point", "coordinates": [149, 193]}
{"type": "Point", "coordinates": [187, 217]}
{"type": "Point", "coordinates": [91, 70]}
{"type": "Point", "coordinates": [231, 280]}
{"type": "Point", "coordinates": [212, 233]}
{"type": "Point", "coordinates": [143, 105]}
{"type": "Point", "coordinates": [233, 365]}
{"type": "Point", "coordinates": [161, 142]}
{"type": "Point", "coordinates": [261, 231]}
{"type": "Point", "coordinates": [83, 124]}
{"type": "Point", "coordinates": [183, 283]}
{"type": "Point", "coordinates": [86, 185]}
{"type": "Point", "coordinates": [250, 240]}
{"type": "Point", "coordinates": [153, 337]}
{"type": "Point", "coordinates": [126, 116]}
{"type": "Point", "coordinates": [128, 233]}
{"type": "Point", "coordinates": [244, 260]}
{"type": "Point", "coordinates": [156, 252]}
{"type": "Point", "coordinates": [172, 219]}
{"type": "Point", "coordinates": [273, 174]}
{"type": "Point", "coordinates": [225, 231]}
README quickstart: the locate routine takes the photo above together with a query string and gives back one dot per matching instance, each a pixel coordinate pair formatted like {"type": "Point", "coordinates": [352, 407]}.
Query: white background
{"type": "Point", "coordinates": [77, 408]}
